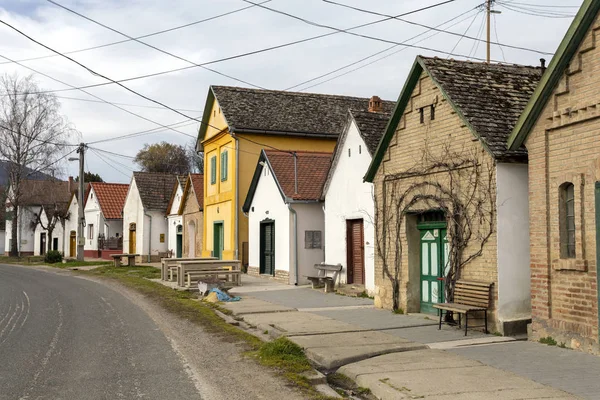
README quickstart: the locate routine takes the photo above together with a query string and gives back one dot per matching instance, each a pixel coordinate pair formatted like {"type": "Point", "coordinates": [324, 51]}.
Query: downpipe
{"type": "Point", "coordinates": [295, 231]}
{"type": "Point", "coordinates": [149, 237]}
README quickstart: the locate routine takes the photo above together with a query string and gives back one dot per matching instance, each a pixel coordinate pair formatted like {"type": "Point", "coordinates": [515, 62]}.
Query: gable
{"type": "Point", "coordinates": [214, 118]}
{"type": "Point", "coordinates": [581, 37]}
{"type": "Point", "coordinates": [176, 199]}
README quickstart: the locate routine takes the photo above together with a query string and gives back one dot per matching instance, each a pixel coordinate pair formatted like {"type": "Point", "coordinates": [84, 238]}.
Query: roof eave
{"type": "Point", "coordinates": [567, 48]}
{"type": "Point", "coordinates": [318, 135]}
{"type": "Point", "coordinates": [337, 151]}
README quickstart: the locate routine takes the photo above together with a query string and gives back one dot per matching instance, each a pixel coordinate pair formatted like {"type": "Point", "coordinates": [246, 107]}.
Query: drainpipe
{"type": "Point", "coordinates": [295, 232]}
{"type": "Point", "coordinates": [237, 194]}
{"type": "Point", "coordinates": [149, 236]}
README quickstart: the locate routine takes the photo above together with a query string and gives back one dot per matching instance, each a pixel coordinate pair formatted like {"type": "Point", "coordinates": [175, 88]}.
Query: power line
{"type": "Point", "coordinates": [479, 34]}
{"type": "Point", "coordinates": [93, 95]}
{"type": "Point", "coordinates": [496, 32]}
{"type": "Point", "coordinates": [533, 12]}
{"type": "Point", "coordinates": [120, 104]}
{"type": "Point", "coordinates": [151, 46]}
{"type": "Point", "coordinates": [109, 164]}
{"type": "Point", "coordinates": [466, 31]}
{"type": "Point", "coordinates": [181, 124]}
{"type": "Point", "coordinates": [52, 163]}
{"type": "Point", "coordinates": [434, 28]}
{"type": "Point", "coordinates": [370, 56]}
{"type": "Point", "coordinates": [376, 60]}
{"type": "Point", "coordinates": [347, 31]}
{"type": "Point", "coordinates": [143, 36]}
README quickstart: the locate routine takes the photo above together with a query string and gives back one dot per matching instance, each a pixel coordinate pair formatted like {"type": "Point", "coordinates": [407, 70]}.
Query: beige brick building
{"type": "Point", "coordinates": [451, 200]}
{"type": "Point", "coordinates": [192, 211]}
{"type": "Point", "coordinates": [561, 130]}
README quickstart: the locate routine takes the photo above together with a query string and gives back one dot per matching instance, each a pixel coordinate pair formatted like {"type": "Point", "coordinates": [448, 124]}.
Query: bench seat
{"type": "Point", "coordinates": [234, 274]}
{"type": "Point", "coordinates": [322, 279]}
{"type": "Point", "coordinates": [469, 297]}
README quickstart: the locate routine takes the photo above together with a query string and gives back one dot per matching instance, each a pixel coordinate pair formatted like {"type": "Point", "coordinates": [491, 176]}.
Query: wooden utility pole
{"type": "Point", "coordinates": [489, 12]}
{"type": "Point", "coordinates": [80, 199]}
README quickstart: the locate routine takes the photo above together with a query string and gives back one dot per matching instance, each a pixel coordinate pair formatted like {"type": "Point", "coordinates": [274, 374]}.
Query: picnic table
{"type": "Point", "coordinates": [130, 259]}
{"type": "Point", "coordinates": [169, 265]}
{"type": "Point", "coordinates": [208, 268]}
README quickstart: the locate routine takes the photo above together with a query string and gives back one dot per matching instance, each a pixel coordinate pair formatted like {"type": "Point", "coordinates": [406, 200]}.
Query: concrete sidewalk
{"type": "Point", "coordinates": [406, 356]}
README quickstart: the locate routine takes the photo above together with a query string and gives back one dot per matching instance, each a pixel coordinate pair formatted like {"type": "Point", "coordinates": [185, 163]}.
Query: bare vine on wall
{"type": "Point", "coordinates": [461, 185]}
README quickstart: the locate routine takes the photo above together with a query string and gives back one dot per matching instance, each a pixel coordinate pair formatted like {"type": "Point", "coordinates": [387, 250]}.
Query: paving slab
{"type": "Point", "coordinates": [249, 305]}
{"type": "Point", "coordinates": [305, 297]}
{"type": "Point", "coordinates": [376, 318]}
{"type": "Point", "coordinates": [430, 374]}
{"type": "Point", "coordinates": [330, 351]}
{"type": "Point", "coordinates": [298, 323]}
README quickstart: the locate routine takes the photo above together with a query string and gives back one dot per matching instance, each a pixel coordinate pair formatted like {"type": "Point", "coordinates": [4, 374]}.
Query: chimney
{"type": "Point", "coordinates": [543, 65]}
{"type": "Point", "coordinates": [71, 184]}
{"type": "Point", "coordinates": [375, 104]}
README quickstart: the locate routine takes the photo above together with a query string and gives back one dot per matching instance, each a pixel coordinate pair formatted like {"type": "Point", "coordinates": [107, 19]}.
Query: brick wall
{"type": "Point", "coordinates": [564, 146]}
{"type": "Point", "coordinates": [414, 145]}
{"type": "Point", "coordinates": [280, 275]}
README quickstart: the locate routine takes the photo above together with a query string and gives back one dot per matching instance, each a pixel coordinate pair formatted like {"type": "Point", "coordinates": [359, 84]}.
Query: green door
{"type": "Point", "coordinates": [267, 248]}
{"type": "Point", "coordinates": [218, 240]}
{"type": "Point", "coordinates": [434, 253]}
{"type": "Point", "coordinates": [179, 248]}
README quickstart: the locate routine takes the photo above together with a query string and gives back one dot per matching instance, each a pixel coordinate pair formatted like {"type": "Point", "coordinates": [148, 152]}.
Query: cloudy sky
{"type": "Point", "coordinates": [533, 24]}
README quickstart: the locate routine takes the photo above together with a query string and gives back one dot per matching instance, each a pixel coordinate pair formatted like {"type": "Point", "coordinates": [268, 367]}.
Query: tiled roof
{"type": "Point", "coordinates": [155, 189]}
{"type": "Point", "coordinates": [490, 96]}
{"type": "Point", "coordinates": [312, 171]}
{"type": "Point", "coordinates": [279, 112]}
{"type": "Point", "coordinates": [198, 185]}
{"type": "Point", "coordinates": [371, 125]}
{"type": "Point", "coordinates": [44, 192]}
{"type": "Point", "coordinates": [111, 197]}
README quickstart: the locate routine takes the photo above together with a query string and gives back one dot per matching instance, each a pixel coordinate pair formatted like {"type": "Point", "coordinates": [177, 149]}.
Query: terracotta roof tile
{"type": "Point", "coordinates": [111, 197]}
{"type": "Point", "coordinates": [312, 172]}
{"type": "Point", "coordinates": [198, 185]}
{"type": "Point", "coordinates": [155, 189]}
{"type": "Point", "coordinates": [280, 112]}
{"type": "Point", "coordinates": [490, 96]}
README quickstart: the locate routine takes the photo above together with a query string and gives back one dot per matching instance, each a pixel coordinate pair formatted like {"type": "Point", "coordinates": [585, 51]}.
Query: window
{"type": "Point", "coordinates": [422, 115]}
{"type": "Point", "coordinates": [567, 220]}
{"type": "Point", "coordinates": [349, 153]}
{"type": "Point", "coordinates": [90, 231]}
{"type": "Point", "coordinates": [213, 170]}
{"type": "Point", "coordinates": [359, 149]}
{"type": "Point", "coordinates": [312, 239]}
{"type": "Point", "coordinates": [432, 112]}
{"type": "Point", "coordinates": [224, 165]}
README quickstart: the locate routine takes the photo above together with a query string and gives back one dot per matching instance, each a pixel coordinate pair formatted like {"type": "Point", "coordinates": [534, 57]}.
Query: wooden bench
{"type": "Point", "coordinates": [168, 266]}
{"type": "Point", "coordinates": [130, 259]}
{"type": "Point", "coordinates": [469, 297]}
{"type": "Point", "coordinates": [232, 277]}
{"type": "Point", "coordinates": [182, 267]}
{"type": "Point", "coordinates": [323, 277]}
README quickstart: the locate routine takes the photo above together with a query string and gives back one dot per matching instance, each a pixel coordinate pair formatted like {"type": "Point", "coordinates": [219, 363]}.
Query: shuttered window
{"type": "Point", "coordinates": [312, 239]}
{"type": "Point", "coordinates": [224, 165]}
{"type": "Point", "coordinates": [213, 170]}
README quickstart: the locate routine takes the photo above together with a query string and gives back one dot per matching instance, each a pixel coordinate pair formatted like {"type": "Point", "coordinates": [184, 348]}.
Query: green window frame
{"type": "Point", "coordinates": [213, 170]}
{"type": "Point", "coordinates": [224, 165]}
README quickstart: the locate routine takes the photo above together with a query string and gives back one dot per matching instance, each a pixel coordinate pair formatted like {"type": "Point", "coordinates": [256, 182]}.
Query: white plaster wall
{"type": "Point", "coordinates": [268, 203]}
{"type": "Point", "coordinates": [2, 240]}
{"type": "Point", "coordinates": [37, 235]}
{"type": "Point", "coordinates": [310, 218]}
{"type": "Point", "coordinates": [159, 226]}
{"type": "Point", "coordinates": [174, 219]}
{"type": "Point", "coordinates": [70, 225]}
{"type": "Point", "coordinates": [348, 197]}
{"type": "Point", "coordinates": [7, 234]}
{"type": "Point", "coordinates": [514, 295]}
{"type": "Point", "coordinates": [25, 233]}
{"type": "Point", "coordinates": [58, 232]}
{"type": "Point", "coordinates": [93, 215]}
{"type": "Point", "coordinates": [133, 212]}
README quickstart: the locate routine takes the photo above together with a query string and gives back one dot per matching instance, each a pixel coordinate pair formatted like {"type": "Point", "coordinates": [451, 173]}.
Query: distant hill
{"type": "Point", "coordinates": [4, 167]}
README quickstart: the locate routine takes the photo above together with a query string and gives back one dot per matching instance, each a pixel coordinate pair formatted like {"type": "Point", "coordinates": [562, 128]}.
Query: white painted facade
{"type": "Point", "coordinates": [2, 239]}
{"type": "Point", "coordinates": [71, 226]}
{"type": "Point", "coordinates": [514, 292]}
{"type": "Point", "coordinates": [347, 197]}
{"type": "Point", "coordinates": [96, 224]}
{"type": "Point", "coordinates": [150, 225]}
{"type": "Point", "coordinates": [174, 219]}
{"type": "Point", "coordinates": [268, 204]}
{"type": "Point", "coordinates": [57, 235]}
{"type": "Point", "coordinates": [25, 235]}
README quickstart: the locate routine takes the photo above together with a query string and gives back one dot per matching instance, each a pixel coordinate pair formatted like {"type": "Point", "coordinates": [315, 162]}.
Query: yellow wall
{"type": "Point", "coordinates": [221, 195]}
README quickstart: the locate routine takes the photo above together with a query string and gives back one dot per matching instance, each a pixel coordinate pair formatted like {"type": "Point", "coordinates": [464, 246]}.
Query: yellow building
{"type": "Point", "coordinates": [238, 124]}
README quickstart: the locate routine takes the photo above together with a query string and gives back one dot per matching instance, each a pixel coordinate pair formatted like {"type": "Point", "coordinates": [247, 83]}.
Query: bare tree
{"type": "Point", "coordinates": [196, 159]}
{"type": "Point", "coordinates": [33, 137]}
{"type": "Point", "coordinates": [458, 184]}
{"type": "Point", "coordinates": [55, 213]}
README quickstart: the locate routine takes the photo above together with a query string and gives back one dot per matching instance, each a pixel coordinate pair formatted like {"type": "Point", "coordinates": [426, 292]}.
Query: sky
{"type": "Point", "coordinates": [537, 25]}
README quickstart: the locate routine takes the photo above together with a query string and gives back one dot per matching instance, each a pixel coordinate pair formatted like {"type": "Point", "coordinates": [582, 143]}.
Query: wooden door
{"type": "Point", "coordinates": [355, 251]}
{"type": "Point", "coordinates": [218, 238]}
{"type": "Point", "coordinates": [72, 243]}
{"type": "Point", "coordinates": [434, 253]}
{"type": "Point", "coordinates": [42, 244]}
{"type": "Point", "coordinates": [267, 248]}
{"type": "Point", "coordinates": [132, 241]}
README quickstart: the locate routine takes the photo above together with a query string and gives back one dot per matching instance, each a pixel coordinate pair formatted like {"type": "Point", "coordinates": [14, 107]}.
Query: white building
{"type": "Point", "coordinates": [48, 193]}
{"type": "Point", "coordinates": [144, 215]}
{"type": "Point", "coordinates": [174, 220]}
{"type": "Point", "coordinates": [103, 217]}
{"type": "Point", "coordinates": [349, 207]}
{"type": "Point", "coordinates": [285, 213]}
{"type": "Point", "coordinates": [70, 228]}
{"type": "Point", "coordinates": [42, 238]}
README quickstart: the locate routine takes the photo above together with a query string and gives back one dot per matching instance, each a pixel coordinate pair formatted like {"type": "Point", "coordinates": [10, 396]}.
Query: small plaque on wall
{"type": "Point", "coordinates": [162, 237]}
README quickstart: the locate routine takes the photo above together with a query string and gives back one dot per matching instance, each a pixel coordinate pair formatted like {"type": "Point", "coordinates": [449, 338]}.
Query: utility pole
{"type": "Point", "coordinates": [81, 222]}
{"type": "Point", "coordinates": [489, 12]}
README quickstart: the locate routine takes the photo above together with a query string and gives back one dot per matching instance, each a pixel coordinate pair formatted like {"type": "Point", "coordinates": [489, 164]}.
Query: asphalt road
{"type": "Point", "coordinates": [62, 337]}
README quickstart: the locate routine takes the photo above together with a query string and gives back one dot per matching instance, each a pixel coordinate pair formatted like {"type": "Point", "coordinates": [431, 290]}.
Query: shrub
{"type": "Point", "coordinates": [53, 256]}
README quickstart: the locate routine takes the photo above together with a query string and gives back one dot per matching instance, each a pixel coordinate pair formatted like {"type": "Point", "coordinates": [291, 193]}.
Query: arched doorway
{"type": "Point", "coordinates": [191, 239]}
{"type": "Point", "coordinates": [179, 243]}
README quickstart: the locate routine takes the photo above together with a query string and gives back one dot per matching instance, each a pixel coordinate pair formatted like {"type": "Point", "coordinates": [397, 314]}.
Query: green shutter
{"type": "Point", "coordinates": [224, 165]}
{"type": "Point", "coordinates": [213, 170]}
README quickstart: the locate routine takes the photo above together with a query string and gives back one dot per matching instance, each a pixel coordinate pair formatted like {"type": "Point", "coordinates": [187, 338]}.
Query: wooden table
{"type": "Point", "coordinates": [210, 265]}
{"type": "Point", "coordinates": [165, 263]}
{"type": "Point", "coordinates": [130, 259]}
